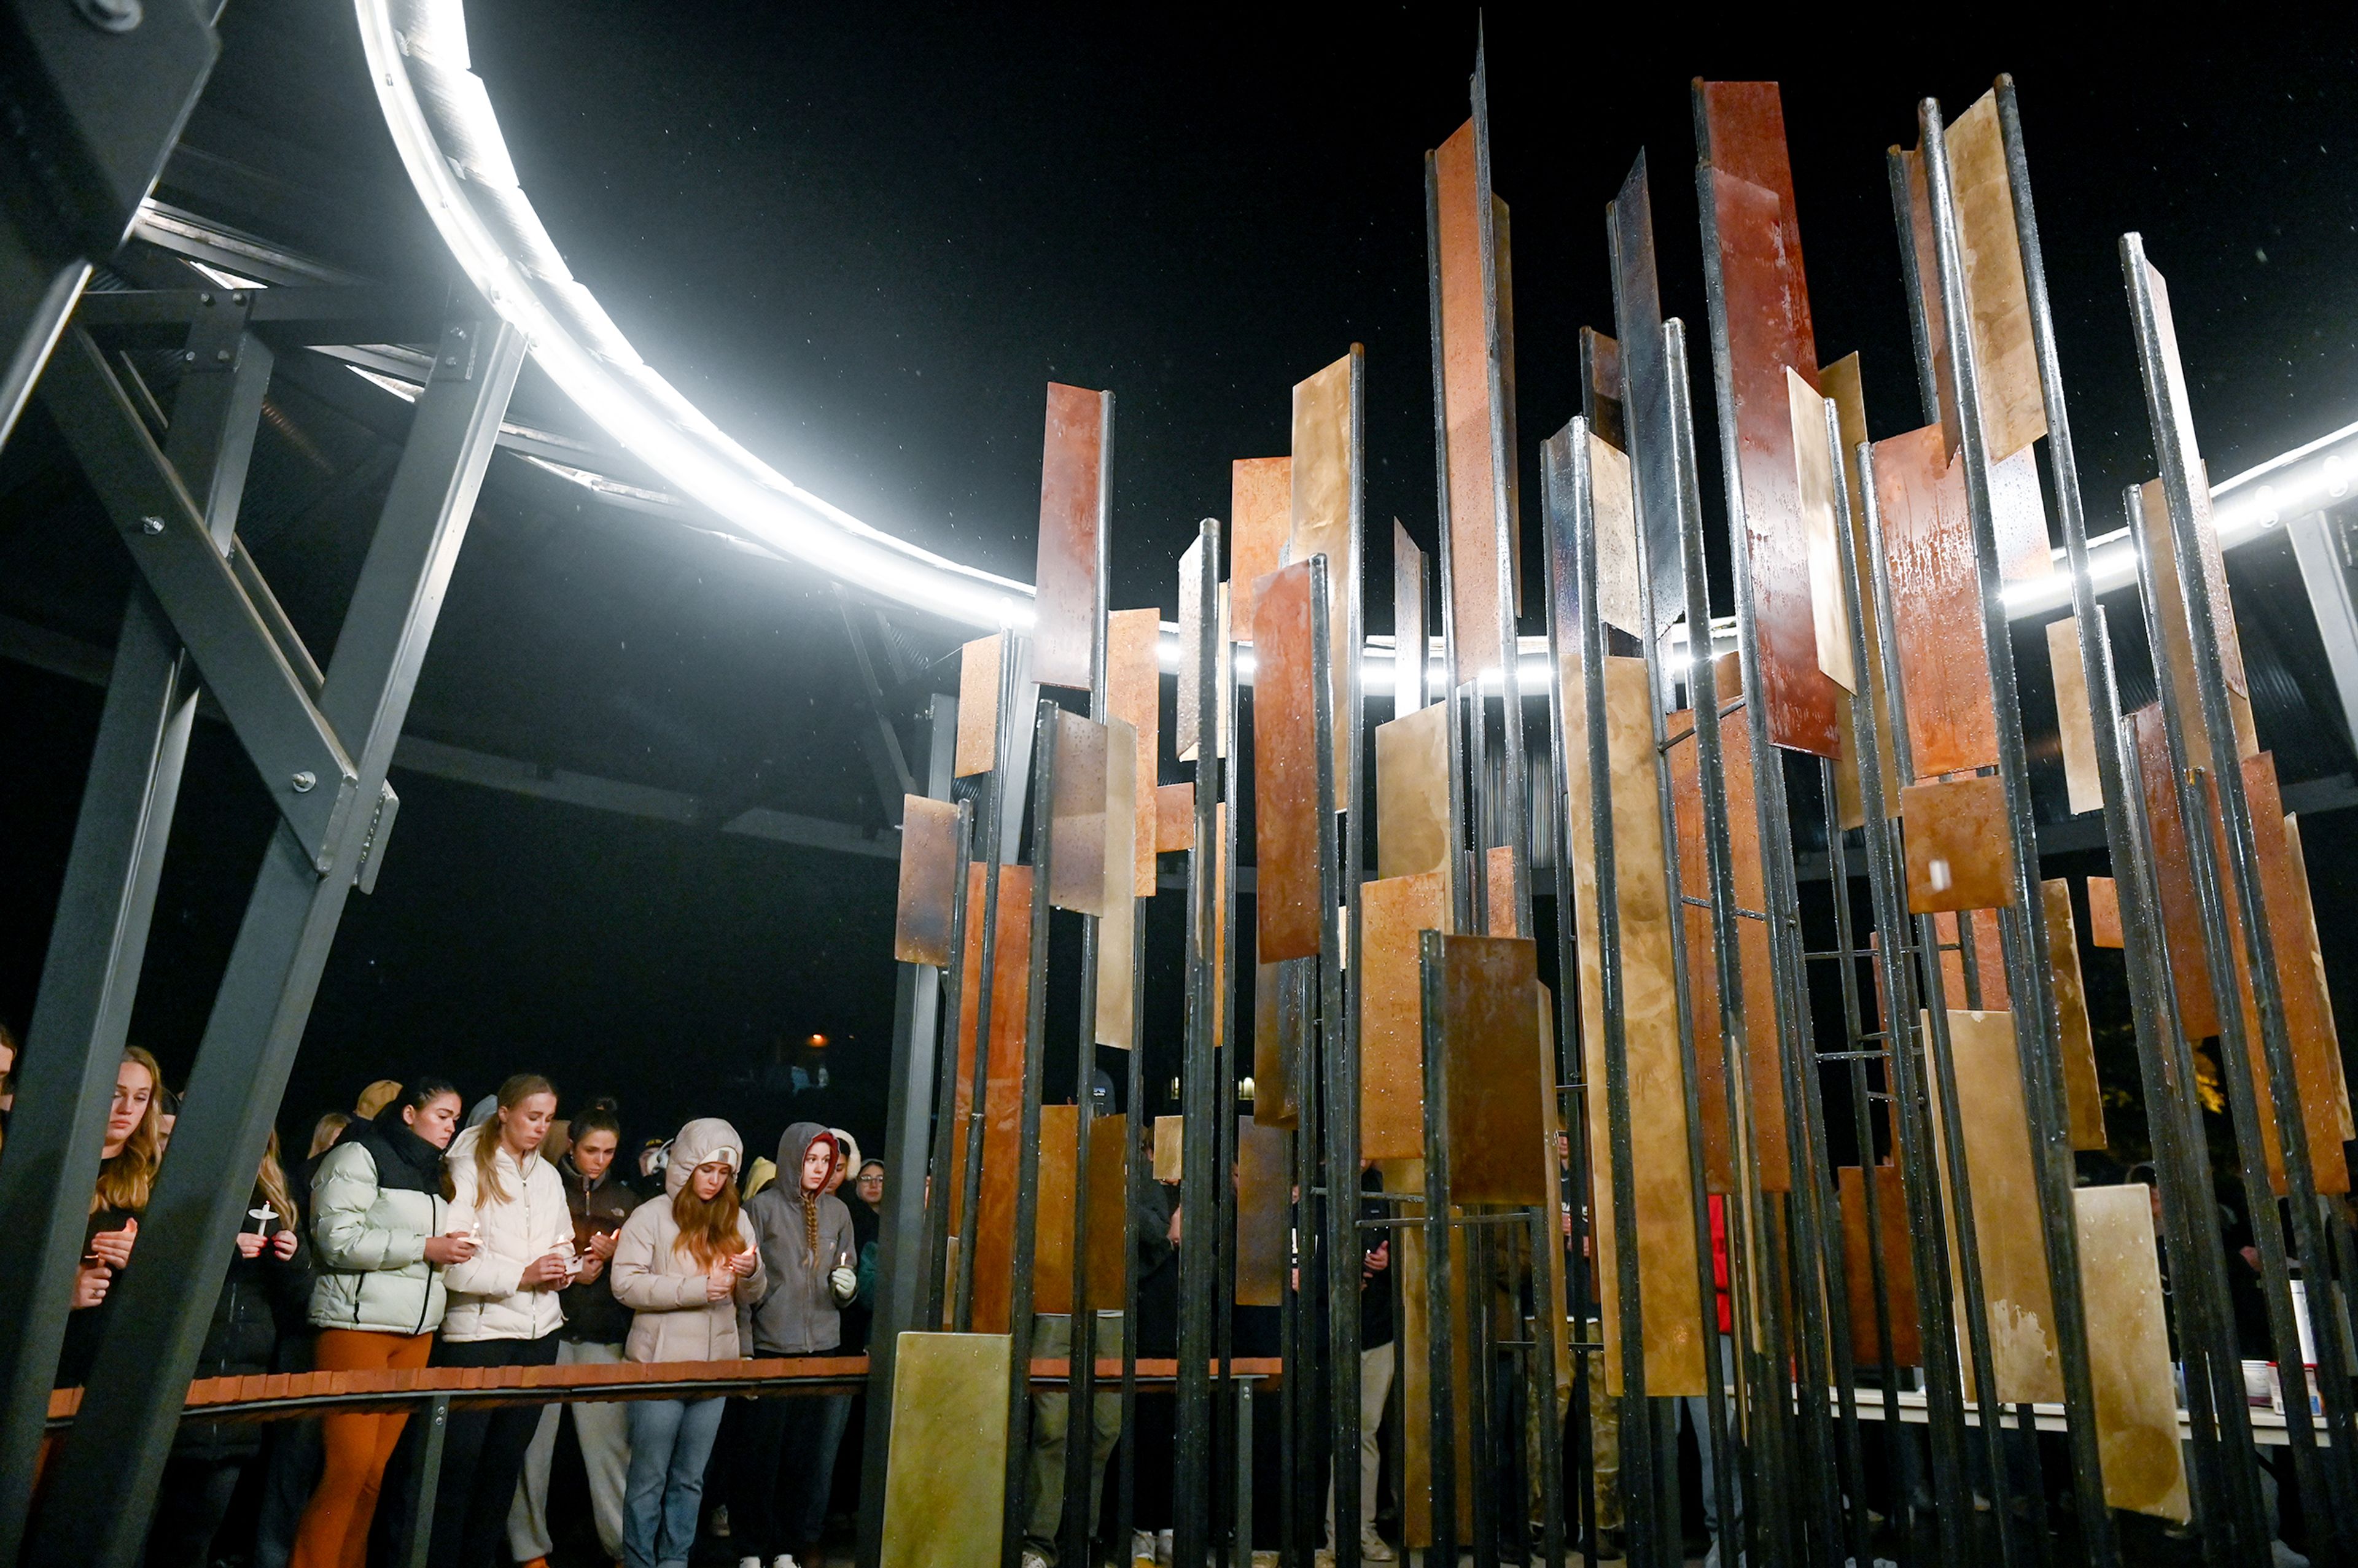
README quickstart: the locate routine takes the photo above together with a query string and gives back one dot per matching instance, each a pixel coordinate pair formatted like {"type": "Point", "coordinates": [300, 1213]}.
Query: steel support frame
{"type": "Point", "coordinates": [102, 1485]}
{"type": "Point", "coordinates": [1198, 1251]}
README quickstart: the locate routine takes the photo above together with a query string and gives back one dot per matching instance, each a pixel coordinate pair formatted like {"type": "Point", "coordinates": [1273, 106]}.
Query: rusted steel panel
{"type": "Point", "coordinates": [1261, 515]}
{"type": "Point", "coordinates": [1071, 600]}
{"type": "Point", "coordinates": [1393, 911]}
{"type": "Point", "coordinates": [1265, 1188]}
{"type": "Point", "coordinates": [1475, 586]}
{"type": "Point", "coordinates": [1935, 605]}
{"type": "Point", "coordinates": [1134, 696]}
{"type": "Point", "coordinates": [978, 722]}
{"type": "Point", "coordinates": [993, 1234]}
{"type": "Point", "coordinates": [1324, 522]}
{"type": "Point", "coordinates": [929, 867]}
{"type": "Point", "coordinates": [1890, 1238]}
{"type": "Point", "coordinates": [1960, 850]}
{"type": "Point", "coordinates": [1285, 771]}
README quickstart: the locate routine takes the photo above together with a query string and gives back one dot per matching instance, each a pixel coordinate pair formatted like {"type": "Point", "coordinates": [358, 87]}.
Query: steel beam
{"type": "Point", "coordinates": [102, 1486]}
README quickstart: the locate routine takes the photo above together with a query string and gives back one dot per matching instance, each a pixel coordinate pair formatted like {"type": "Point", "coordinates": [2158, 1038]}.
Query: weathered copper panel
{"type": "Point", "coordinates": [1077, 809]}
{"type": "Point", "coordinates": [1264, 1189]}
{"type": "Point", "coordinates": [1499, 889]}
{"type": "Point", "coordinates": [1960, 850]}
{"type": "Point", "coordinates": [1392, 911]}
{"type": "Point", "coordinates": [1664, 1221]}
{"type": "Point", "coordinates": [2324, 991]}
{"type": "Point", "coordinates": [1410, 644]}
{"type": "Point", "coordinates": [929, 867]}
{"type": "Point", "coordinates": [2084, 1096]}
{"type": "Point", "coordinates": [1170, 1139]}
{"type": "Point", "coordinates": [1989, 962]}
{"type": "Point", "coordinates": [2178, 651]}
{"type": "Point", "coordinates": [1326, 523]}
{"type": "Point", "coordinates": [1117, 929]}
{"type": "Point", "coordinates": [1618, 601]}
{"type": "Point", "coordinates": [1416, 1361]}
{"type": "Point", "coordinates": [1845, 392]}
{"type": "Point", "coordinates": [2128, 1359]}
{"type": "Point", "coordinates": [945, 1480]}
{"type": "Point", "coordinates": [1413, 795]}
{"type": "Point", "coordinates": [1071, 599]}
{"type": "Point", "coordinates": [1497, 1142]}
{"type": "Point", "coordinates": [1276, 1019]}
{"type": "Point", "coordinates": [1474, 585]}
{"type": "Point", "coordinates": [2005, 363]}
{"type": "Point", "coordinates": [2006, 1209]}
{"type": "Point", "coordinates": [1928, 302]}
{"type": "Point", "coordinates": [1890, 1239]}
{"type": "Point", "coordinates": [1936, 606]}
{"type": "Point", "coordinates": [2105, 913]}
{"type": "Point", "coordinates": [993, 1231]}
{"type": "Point", "coordinates": [1052, 1243]}
{"type": "Point", "coordinates": [1174, 818]}
{"type": "Point", "coordinates": [978, 722]}
{"type": "Point", "coordinates": [1813, 494]}
{"type": "Point", "coordinates": [1285, 771]}
{"type": "Point", "coordinates": [2075, 722]}
{"type": "Point", "coordinates": [2314, 1061]}
{"type": "Point", "coordinates": [1110, 1147]}
{"type": "Point", "coordinates": [2173, 877]}
{"type": "Point", "coordinates": [1261, 515]}
{"type": "Point", "coordinates": [1188, 721]}
{"type": "Point", "coordinates": [1702, 970]}
{"type": "Point", "coordinates": [1134, 696]}
{"type": "Point", "coordinates": [1768, 316]}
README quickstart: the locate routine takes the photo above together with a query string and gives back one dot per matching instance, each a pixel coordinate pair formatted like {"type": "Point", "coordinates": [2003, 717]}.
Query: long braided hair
{"type": "Point", "coordinates": [810, 1196]}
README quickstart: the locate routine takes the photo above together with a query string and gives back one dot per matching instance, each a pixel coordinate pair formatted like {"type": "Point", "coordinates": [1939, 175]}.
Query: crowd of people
{"type": "Point", "coordinates": [417, 1231]}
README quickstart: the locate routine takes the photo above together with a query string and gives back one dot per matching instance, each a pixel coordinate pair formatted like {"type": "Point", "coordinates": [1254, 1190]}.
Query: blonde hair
{"type": "Point", "coordinates": [272, 1180]}
{"type": "Point", "coordinates": [127, 1178]}
{"type": "Point", "coordinates": [513, 1093]}
{"type": "Point", "coordinates": [325, 1132]}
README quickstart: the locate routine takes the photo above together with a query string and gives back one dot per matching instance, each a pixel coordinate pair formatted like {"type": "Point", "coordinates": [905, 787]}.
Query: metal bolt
{"type": "Point", "coordinates": [111, 16]}
{"type": "Point", "coordinates": [451, 359]}
{"type": "Point", "coordinates": [222, 355]}
{"type": "Point", "coordinates": [190, 357]}
{"type": "Point", "coordinates": [205, 300]}
{"type": "Point", "coordinates": [151, 526]}
{"type": "Point", "coordinates": [303, 781]}
{"type": "Point", "coordinates": [460, 333]}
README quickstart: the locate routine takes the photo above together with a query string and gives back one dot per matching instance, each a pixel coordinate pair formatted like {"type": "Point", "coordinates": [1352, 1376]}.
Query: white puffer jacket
{"type": "Point", "coordinates": [532, 1222]}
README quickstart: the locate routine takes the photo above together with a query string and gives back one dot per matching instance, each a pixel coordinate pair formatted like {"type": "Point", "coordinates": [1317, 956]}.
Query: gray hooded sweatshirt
{"type": "Point", "coordinates": [798, 1316]}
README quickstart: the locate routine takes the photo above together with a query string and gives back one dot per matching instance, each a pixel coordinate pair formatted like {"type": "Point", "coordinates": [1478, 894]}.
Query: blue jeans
{"type": "Point", "coordinates": [670, 1441]}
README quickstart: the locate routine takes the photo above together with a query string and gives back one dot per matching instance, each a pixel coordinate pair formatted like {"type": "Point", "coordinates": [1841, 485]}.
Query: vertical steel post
{"type": "Point", "coordinates": [1197, 1255]}
{"type": "Point", "coordinates": [998, 803]}
{"type": "Point", "coordinates": [1440, 1333]}
{"type": "Point", "coordinates": [934, 1302]}
{"type": "Point", "coordinates": [1134, 1176]}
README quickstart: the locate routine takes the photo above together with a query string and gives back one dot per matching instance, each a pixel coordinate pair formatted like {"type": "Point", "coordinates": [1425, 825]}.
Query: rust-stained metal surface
{"type": "Point", "coordinates": [2173, 877]}
{"type": "Point", "coordinates": [2006, 365]}
{"type": "Point", "coordinates": [1071, 598]}
{"type": "Point", "coordinates": [1618, 601]}
{"type": "Point", "coordinates": [1275, 1022]}
{"type": "Point", "coordinates": [1174, 818]}
{"type": "Point", "coordinates": [1117, 930]}
{"type": "Point", "coordinates": [1052, 1256]}
{"type": "Point", "coordinates": [1134, 696]}
{"type": "Point", "coordinates": [1768, 330]}
{"type": "Point", "coordinates": [1500, 1149]}
{"type": "Point", "coordinates": [977, 720]}
{"type": "Point", "coordinates": [1664, 1218]}
{"type": "Point", "coordinates": [2018, 518]}
{"type": "Point", "coordinates": [1411, 648]}
{"type": "Point", "coordinates": [1285, 771]}
{"type": "Point", "coordinates": [2105, 913]}
{"type": "Point", "coordinates": [1702, 971]}
{"type": "Point", "coordinates": [929, 869]}
{"type": "Point", "coordinates": [2128, 1361]}
{"type": "Point", "coordinates": [1935, 604]}
{"type": "Point", "coordinates": [1076, 817]}
{"type": "Point", "coordinates": [1326, 518]}
{"type": "Point", "coordinates": [1989, 960]}
{"type": "Point", "coordinates": [1960, 850]}
{"type": "Point", "coordinates": [1413, 795]}
{"type": "Point", "coordinates": [1890, 1239]}
{"type": "Point", "coordinates": [1928, 302]}
{"type": "Point", "coordinates": [2083, 1095]}
{"type": "Point", "coordinates": [2324, 991]}
{"type": "Point", "coordinates": [2282, 895]}
{"type": "Point", "coordinates": [1169, 1140]}
{"type": "Point", "coordinates": [1499, 889]}
{"type": "Point", "coordinates": [1475, 586]}
{"type": "Point", "coordinates": [2177, 652]}
{"type": "Point", "coordinates": [1261, 515]}
{"type": "Point", "coordinates": [1264, 1187]}
{"type": "Point", "coordinates": [2007, 1230]}
{"type": "Point", "coordinates": [1392, 913]}
{"type": "Point", "coordinates": [993, 1234]}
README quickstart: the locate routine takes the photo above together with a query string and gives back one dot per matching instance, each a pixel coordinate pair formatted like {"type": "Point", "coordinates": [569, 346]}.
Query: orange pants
{"type": "Point", "coordinates": [335, 1529]}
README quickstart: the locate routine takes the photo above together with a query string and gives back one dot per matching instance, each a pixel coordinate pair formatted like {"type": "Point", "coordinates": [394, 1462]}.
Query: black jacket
{"type": "Point", "coordinates": [263, 1301]}
{"type": "Point", "coordinates": [593, 1315]}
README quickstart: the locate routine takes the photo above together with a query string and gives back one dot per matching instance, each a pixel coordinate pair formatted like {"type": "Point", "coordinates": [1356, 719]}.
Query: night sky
{"type": "Point", "coordinates": [863, 244]}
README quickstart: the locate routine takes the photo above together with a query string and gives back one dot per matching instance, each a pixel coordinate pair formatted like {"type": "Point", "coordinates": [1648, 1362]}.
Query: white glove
{"type": "Point", "coordinates": [843, 1284]}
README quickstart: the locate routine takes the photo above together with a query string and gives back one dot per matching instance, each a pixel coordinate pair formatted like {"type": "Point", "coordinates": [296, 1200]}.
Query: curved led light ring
{"type": "Point", "coordinates": [704, 464]}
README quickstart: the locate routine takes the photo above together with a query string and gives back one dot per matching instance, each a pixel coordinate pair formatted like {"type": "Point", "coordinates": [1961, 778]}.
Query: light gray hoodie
{"type": "Point", "coordinates": [798, 1315]}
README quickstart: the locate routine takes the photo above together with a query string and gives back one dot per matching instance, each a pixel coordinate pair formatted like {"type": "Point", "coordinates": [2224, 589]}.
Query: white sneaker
{"type": "Point", "coordinates": [1142, 1548]}
{"type": "Point", "coordinates": [748, 1563]}
{"type": "Point", "coordinates": [782, 1559]}
{"type": "Point", "coordinates": [1374, 1548]}
{"type": "Point", "coordinates": [1034, 1560]}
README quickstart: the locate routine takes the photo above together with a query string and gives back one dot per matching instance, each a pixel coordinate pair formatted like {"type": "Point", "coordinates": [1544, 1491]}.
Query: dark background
{"type": "Point", "coordinates": [863, 242]}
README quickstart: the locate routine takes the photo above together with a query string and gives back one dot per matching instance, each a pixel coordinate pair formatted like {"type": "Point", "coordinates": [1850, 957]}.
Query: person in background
{"type": "Point", "coordinates": [126, 1176]}
{"type": "Point", "coordinates": [683, 1266]}
{"type": "Point", "coordinates": [1377, 1360]}
{"type": "Point", "coordinates": [325, 1132]}
{"type": "Point", "coordinates": [9, 1052]}
{"type": "Point", "coordinates": [262, 1298]}
{"type": "Point", "coordinates": [375, 1098]}
{"type": "Point", "coordinates": [654, 1155]}
{"type": "Point", "coordinates": [381, 1224]}
{"type": "Point", "coordinates": [595, 1327]}
{"type": "Point", "coordinates": [786, 1457]}
{"type": "Point", "coordinates": [869, 1185]}
{"type": "Point", "coordinates": [168, 1115]}
{"type": "Point", "coordinates": [503, 1310]}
